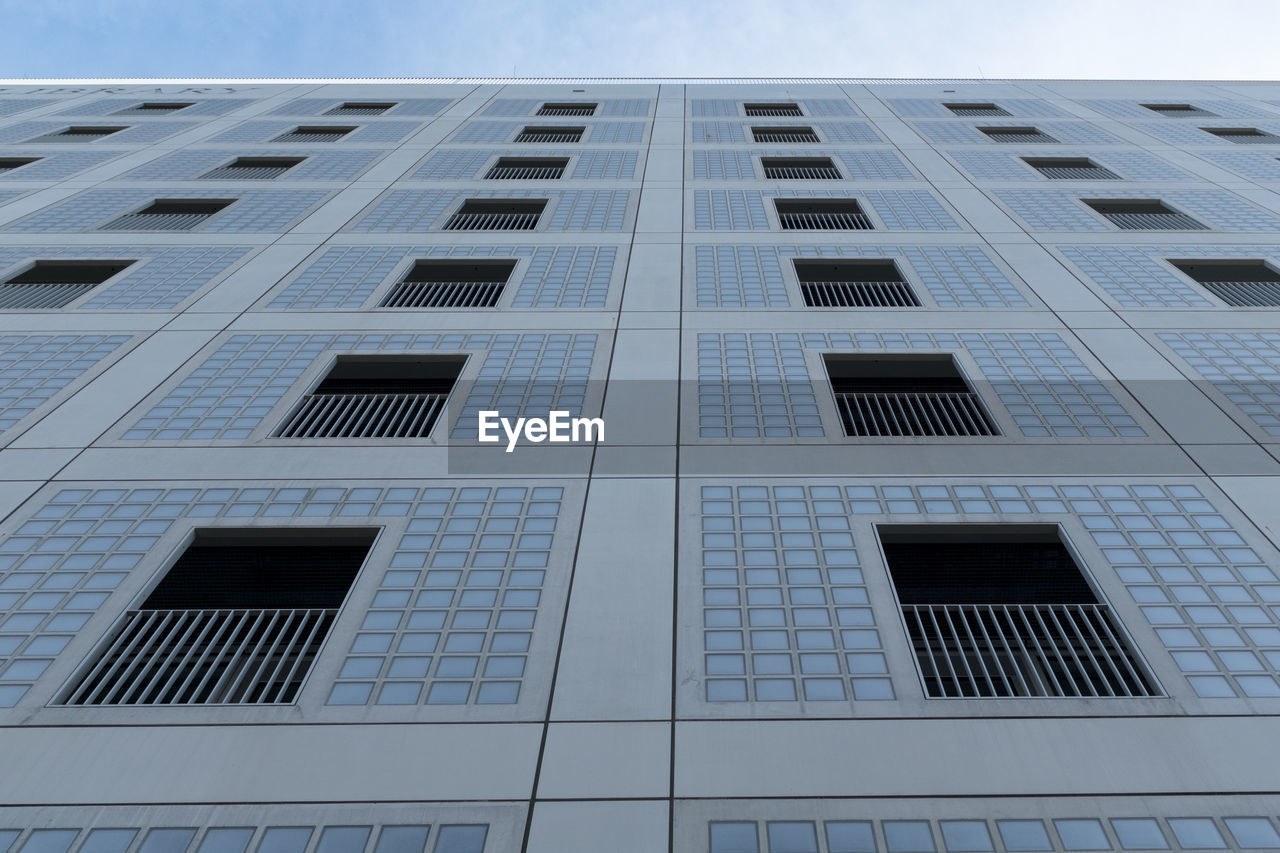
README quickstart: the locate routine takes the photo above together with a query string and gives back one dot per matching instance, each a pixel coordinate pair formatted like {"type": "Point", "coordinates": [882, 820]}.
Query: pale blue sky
{"type": "Point", "coordinates": [1198, 39]}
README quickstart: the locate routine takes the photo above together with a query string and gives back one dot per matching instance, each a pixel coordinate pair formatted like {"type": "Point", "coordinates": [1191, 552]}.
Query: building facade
{"type": "Point", "coordinates": [935, 507]}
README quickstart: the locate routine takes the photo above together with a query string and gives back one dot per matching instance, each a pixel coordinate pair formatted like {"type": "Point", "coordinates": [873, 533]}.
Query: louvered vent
{"type": "Point", "coordinates": [835, 214]}
{"type": "Point", "coordinates": [153, 108]}
{"type": "Point", "coordinates": [451, 284]}
{"type": "Point", "coordinates": [781, 110]}
{"type": "Point", "coordinates": [375, 398]}
{"type": "Point", "coordinates": [854, 284]}
{"type": "Point", "coordinates": [238, 620]}
{"type": "Point", "coordinates": [78, 133]}
{"type": "Point", "coordinates": [923, 396]}
{"type": "Point", "coordinates": [1245, 284]}
{"type": "Point", "coordinates": [800, 169]}
{"type": "Point", "coordinates": [168, 215]}
{"type": "Point", "coordinates": [361, 108]}
{"type": "Point", "coordinates": [315, 133]}
{"type": "Point", "coordinates": [8, 164]}
{"type": "Point", "coordinates": [253, 168]}
{"type": "Point", "coordinates": [1016, 134]}
{"type": "Point", "coordinates": [570, 109]}
{"type": "Point", "coordinates": [1004, 612]}
{"type": "Point", "coordinates": [1070, 169]}
{"type": "Point", "coordinates": [1243, 135]}
{"type": "Point", "coordinates": [1144, 215]}
{"type": "Point", "coordinates": [496, 214]}
{"type": "Point", "coordinates": [527, 169]}
{"type": "Point", "coordinates": [1177, 110]}
{"type": "Point", "coordinates": [784, 134]}
{"type": "Point", "coordinates": [551, 134]}
{"type": "Point", "coordinates": [977, 110]}
{"type": "Point", "coordinates": [53, 284]}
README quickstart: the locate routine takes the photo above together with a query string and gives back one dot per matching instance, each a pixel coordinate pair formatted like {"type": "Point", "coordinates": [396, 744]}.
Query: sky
{"type": "Point", "coordinates": [1142, 39]}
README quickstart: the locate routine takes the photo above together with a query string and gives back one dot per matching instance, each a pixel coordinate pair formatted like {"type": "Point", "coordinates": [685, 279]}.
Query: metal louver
{"type": "Point", "coordinates": [905, 397]}
{"type": "Point", "coordinates": [977, 110]}
{"type": "Point", "coordinates": [496, 215]}
{"type": "Point", "coordinates": [360, 108]}
{"type": "Point", "coordinates": [1016, 134]}
{"type": "Point", "coordinates": [170, 215]}
{"type": "Point", "coordinates": [550, 134]}
{"type": "Point", "coordinates": [1145, 216]}
{"type": "Point", "coordinates": [783, 109]}
{"type": "Point", "coordinates": [437, 284]}
{"type": "Point", "coordinates": [571, 109]}
{"type": "Point", "coordinates": [821, 215]}
{"type": "Point", "coordinates": [1177, 110]}
{"type": "Point", "coordinates": [253, 168]}
{"type": "Point", "coordinates": [1243, 135]}
{"type": "Point", "coordinates": [78, 134]}
{"type": "Point", "coordinates": [53, 284]}
{"type": "Point", "coordinates": [799, 169]}
{"type": "Point", "coordinates": [319, 133]}
{"type": "Point", "coordinates": [1070, 168]}
{"type": "Point", "coordinates": [527, 169]}
{"type": "Point", "coordinates": [8, 164]}
{"type": "Point", "coordinates": [1250, 284]}
{"type": "Point", "coordinates": [854, 284]}
{"type": "Point", "coordinates": [784, 134]}
{"type": "Point", "coordinates": [154, 108]}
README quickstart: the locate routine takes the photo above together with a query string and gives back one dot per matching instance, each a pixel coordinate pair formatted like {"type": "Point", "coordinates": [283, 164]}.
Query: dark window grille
{"type": "Point", "coordinates": [800, 169]}
{"type": "Point", "coordinates": [253, 168]}
{"type": "Point", "coordinates": [784, 134]}
{"type": "Point", "coordinates": [496, 215]}
{"type": "Point", "coordinates": [527, 169]}
{"type": "Point", "coordinates": [361, 108]}
{"type": "Point", "coordinates": [821, 215]}
{"type": "Point", "coordinates": [570, 109]}
{"type": "Point", "coordinates": [78, 133]}
{"type": "Point", "coordinates": [239, 619]}
{"type": "Point", "coordinates": [168, 215]}
{"type": "Point", "coordinates": [1245, 284]}
{"type": "Point", "coordinates": [375, 398]}
{"type": "Point", "coordinates": [1145, 215]}
{"type": "Point", "coordinates": [1016, 134]}
{"type": "Point", "coordinates": [551, 134]}
{"type": "Point", "coordinates": [854, 284]}
{"type": "Point", "coordinates": [8, 164]}
{"type": "Point", "coordinates": [151, 108]}
{"type": "Point", "coordinates": [777, 110]}
{"type": "Point", "coordinates": [1243, 135]}
{"type": "Point", "coordinates": [1002, 614]}
{"type": "Point", "coordinates": [977, 110]}
{"type": "Point", "coordinates": [451, 284]}
{"type": "Point", "coordinates": [53, 284]}
{"type": "Point", "coordinates": [924, 396]}
{"type": "Point", "coordinates": [1070, 169]}
{"type": "Point", "coordinates": [1177, 110]}
{"type": "Point", "coordinates": [315, 133]}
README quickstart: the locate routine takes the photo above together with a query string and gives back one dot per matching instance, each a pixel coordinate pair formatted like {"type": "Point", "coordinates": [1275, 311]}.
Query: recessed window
{"type": "Point", "coordinates": [1244, 135]}
{"type": "Point", "coordinates": [527, 169]}
{"type": "Point", "coordinates": [775, 109]}
{"type": "Point", "coordinates": [907, 395]}
{"type": "Point", "coordinates": [8, 164]}
{"type": "Point", "coordinates": [854, 284]}
{"type": "Point", "coordinates": [451, 284]}
{"type": "Point", "coordinates": [784, 134]}
{"type": "Point", "coordinates": [176, 214]}
{"type": "Point", "coordinates": [1246, 283]}
{"type": "Point", "coordinates": [239, 619]}
{"type": "Point", "coordinates": [569, 109]}
{"type": "Point", "coordinates": [550, 134]}
{"type": "Point", "coordinates": [154, 108]}
{"type": "Point", "coordinates": [361, 108]}
{"type": "Point", "coordinates": [1144, 215]}
{"type": "Point", "coordinates": [1070, 169]}
{"type": "Point", "coordinates": [376, 397]}
{"type": "Point", "coordinates": [1176, 110]}
{"type": "Point", "coordinates": [800, 169]}
{"type": "Point", "coordinates": [821, 214]}
{"type": "Point", "coordinates": [496, 214]}
{"type": "Point", "coordinates": [53, 284]}
{"type": "Point", "coordinates": [79, 133]}
{"type": "Point", "coordinates": [1016, 134]}
{"type": "Point", "coordinates": [315, 133]}
{"type": "Point", "coordinates": [977, 109]}
{"type": "Point", "coordinates": [254, 168]}
{"type": "Point", "coordinates": [1003, 611]}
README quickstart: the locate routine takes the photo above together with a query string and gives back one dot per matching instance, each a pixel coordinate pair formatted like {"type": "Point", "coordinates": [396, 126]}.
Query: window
{"type": "Point", "coordinates": [496, 214]}
{"type": "Point", "coordinates": [570, 109]}
{"type": "Point", "coordinates": [977, 110]}
{"type": "Point", "coordinates": [8, 164]}
{"type": "Point", "coordinates": [315, 133]}
{"type": "Point", "coordinates": [176, 214]}
{"type": "Point", "coordinates": [1240, 283]}
{"type": "Point", "coordinates": [527, 169]}
{"type": "Point", "coordinates": [854, 284]}
{"type": "Point", "coordinates": [550, 134]}
{"type": "Point", "coordinates": [800, 169]}
{"type": "Point", "coordinates": [376, 397]}
{"type": "Point", "coordinates": [254, 168]}
{"type": "Point", "coordinates": [361, 108]}
{"type": "Point", "coordinates": [1001, 611]}
{"type": "Point", "coordinates": [784, 134]}
{"type": "Point", "coordinates": [451, 284]}
{"type": "Point", "coordinates": [1070, 169]}
{"type": "Point", "coordinates": [239, 619]}
{"type": "Point", "coordinates": [152, 108]}
{"type": "Point", "coordinates": [53, 284]}
{"type": "Point", "coordinates": [1144, 215]}
{"type": "Point", "coordinates": [834, 214]}
{"type": "Point", "coordinates": [1016, 134]}
{"type": "Point", "coordinates": [1243, 135]}
{"type": "Point", "coordinates": [78, 133]}
{"type": "Point", "coordinates": [781, 109]}
{"type": "Point", "coordinates": [1176, 110]}
{"type": "Point", "coordinates": [906, 395]}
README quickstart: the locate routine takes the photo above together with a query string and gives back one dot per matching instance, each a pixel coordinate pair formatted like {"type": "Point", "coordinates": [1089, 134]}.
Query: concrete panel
{"type": "Point", "coordinates": [593, 761]}
{"type": "Point", "coordinates": [619, 827]}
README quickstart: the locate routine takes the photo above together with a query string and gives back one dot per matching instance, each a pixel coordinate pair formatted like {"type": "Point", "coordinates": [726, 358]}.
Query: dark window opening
{"type": "Point", "coordinates": [784, 134]}
{"type": "Point", "coordinates": [361, 108]}
{"type": "Point", "coordinates": [1004, 611]}
{"type": "Point", "coordinates": [169, 215]}
{"type": "Point", "coordinates": [79, 133]}
{"type": "Point", "coordinates": [451, 284]}
{"type": "Point", "coordinates": [835, 214]}
{"type": "Point", "coordinates": [1016, 134]}
{"type": "Point", "coordinates": [854, 284]}
{"type": "Point", "coordinates": [1240, 283]}
{"type": "Point", "coordinates": [778, 109]}
{"type": "Point", "coordinates": [527, 169]}
{"type": "Point", "coordinates": [551, 134]}
{"type": "Point", "coordinates": [1176, 110]}
{"type": "Point", "coordinates": [909, 395]}
{"type": "Point", "coordinates": [1070, 169]}
{"type": "Point", "coordinates": [1144, 215]}
{"type": "Point", "coordinates": [315, 133]}
{"type": "Point", "coordinates": [254, 168]}
{"type": "Point", "coordinates": [496, 214]}
{"type": "Point", "coordinates": [977, 110]}
{"type": "Point", "coordinates": [569, 109]}
{"type": "Point", "coordinates": [53, 284]}
{"type": "Point", "coordinates": [156, 108]}
{"type": "Point", "coordinates": [8, 164]}
{"type": "Point", "coordinates": [800, 169]}
{"type": "Point", "coordinates": [1244, 135]}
